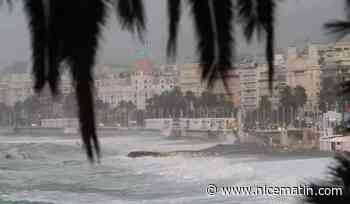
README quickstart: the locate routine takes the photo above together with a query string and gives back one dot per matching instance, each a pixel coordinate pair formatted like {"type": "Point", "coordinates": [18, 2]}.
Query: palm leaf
{"type": "Point", "coordinates": [340, 179]}
{"type": "Point", "coordinates": [224, 14]}
{"type": "Point", "coordinates": [248, 17]}
{"type": "Point", "coordinates": [131, 15]}
{"type": "Point", "coordinates": [341, 28]}
{"type": "Point", "coordinates": [80, 44]}
{"type": "Point", "coordinates": [174, 13]}
{"type": "Point", "coordinates": [258, 16]}
{"type": "Point", "coordinates": [37, 24]}
{"type": "Point", "coordinates": [266, 13]}
{"type": "Point", "coordinates": [60, 35]}
{"type": "Point", "coordinates": [204, 27]}
{"type": "Point", "coordinates": [213, 21]}
{"type": "Point", "coordinates": [338, 28]}
{"type": "Point", "coordinates": [9, 3]}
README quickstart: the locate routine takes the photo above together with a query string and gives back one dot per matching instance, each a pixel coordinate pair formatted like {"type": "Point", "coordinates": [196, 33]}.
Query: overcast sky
{"type": "Point", "coordinates": [298, 21]}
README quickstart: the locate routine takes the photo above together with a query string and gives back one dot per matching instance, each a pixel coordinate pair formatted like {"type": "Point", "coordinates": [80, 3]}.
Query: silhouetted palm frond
{"type": "Point", "coordinates": [259, 16]}
{"type": "Point", "coordinates": [174, 14]}
{"type": "Point", "coordinates": [80, 52]}
{"type": "Point", "coordinates": [36, 19]}
{"type": "Point", "coordinates": [204, 27]}
{"type": "Point", "coordinates": [131, 15]}
{"type": "Point", "coordinates": [344, 88]}
{"type": "Point", "coordinates": [340, 179]}
{"type": "Point", "coordinates": [213, 21]}
{"type": "Point", "coordinates": [248, 17]}
{"type": "Point", "coordinates": [58, 36]}
{"type": "Point", "coordinates": [224, 14]}
{"type": "Point", "coordinates": [341, 28]}
{"type": "Point", "coordinates": [9, 3]}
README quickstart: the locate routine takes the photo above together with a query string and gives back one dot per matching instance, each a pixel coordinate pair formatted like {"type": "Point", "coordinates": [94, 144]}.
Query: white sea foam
{"type": "Point", "coordinates": [57, 172]}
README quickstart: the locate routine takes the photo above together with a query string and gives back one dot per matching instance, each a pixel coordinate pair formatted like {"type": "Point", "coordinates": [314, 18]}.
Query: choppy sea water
{"type": "Point", "coordinates": [54, 170]}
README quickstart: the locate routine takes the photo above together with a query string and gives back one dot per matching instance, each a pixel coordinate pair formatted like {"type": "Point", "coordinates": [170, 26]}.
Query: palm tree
{"type": "Point", "coordinates": [56, 39]}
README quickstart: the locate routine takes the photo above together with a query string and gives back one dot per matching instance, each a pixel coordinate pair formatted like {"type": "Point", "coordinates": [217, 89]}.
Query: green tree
{"type": "Point", "coordinates": [5, 112]}
{"type": "Point", "coordinates": [125, 111]}
{"type": "Point", "coordinates": [286, 97]}
{"type": "Point", "coordinates": [265, 104]}
{"type": "Point", "coordinates": [293, 98]}
{"type": "Point", "coordinates": [300, 97]}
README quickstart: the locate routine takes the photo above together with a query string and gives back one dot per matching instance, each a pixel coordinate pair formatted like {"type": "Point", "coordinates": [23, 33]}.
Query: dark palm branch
{"type": "Point", "coordinates": [174, 14]}
{"type": "Point", "coordinates": [340, 27]}
{"type": "Point", "coordinates": [9, 3]}
{"type": "Point", "coordinates": [340, 179]}
{"type": "Point", "coordinates": [80, 52]}
{"type": "Point", "coordinates": [205, 31]}
{"type": "Point", "coordinates": [37, 24]}
{"type": "Point", "coordinates": [213, 23]}
{"type": "Point", "coordinates": [259, 16]}
{"type": "Point", "coordinates": [60, 35]}
{"type": "Point", "coordinates": [131, 15]}
{"type": "Point", "coordinates": [67, 32]}
{"type": "Point", "coordinates": [224, 15]}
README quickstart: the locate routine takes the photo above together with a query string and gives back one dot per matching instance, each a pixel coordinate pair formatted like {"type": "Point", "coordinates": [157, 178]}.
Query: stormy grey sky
{"type": "Point", "coordinates": [298, 20]}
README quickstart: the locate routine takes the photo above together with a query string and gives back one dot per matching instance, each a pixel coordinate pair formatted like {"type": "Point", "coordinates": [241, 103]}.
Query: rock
{"type": "Point", "coordinates": [9, 156]}
{"type": "Point", "coordinates": [137, 154]}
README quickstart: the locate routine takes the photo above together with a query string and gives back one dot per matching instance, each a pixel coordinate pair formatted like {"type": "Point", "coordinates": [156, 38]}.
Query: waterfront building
{"type": "Point", "coordinates": [113, 91]}
{"type": "Point", "coordinates": [303, 69]}
{"type": "Point", "coordinates": [233, 82]}
{"type": "Point", "coordinates": [331, 53]}
{"type": "Point", "coordinates": [248, 78]}
{"type": "Point", "coordinates": [190, 79]}
{"type": "Point", "coordinates": [279, 81]}
{"type": "Point", "coordinates": [16, 87]}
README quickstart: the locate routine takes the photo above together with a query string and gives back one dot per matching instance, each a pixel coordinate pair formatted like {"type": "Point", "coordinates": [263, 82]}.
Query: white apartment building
{"type": "Point", "coordinates": [190, 79]}
{"type": "Point", "coordinates": [15, 87]}
{"type": "Point", "coordinates": [333, 52]}
{"type": "Point", "coordinates": [3, 90]}
{"type": "Point", "coordinates": [335, 60]}
{"type": "Point", "coordinates": [279, 80]}
{"type": "Point", "coordinates": [254, 82]}
{"type": "Point", "coordinates": [113, 91]}
{"type": "Point", "coordinates": [142, 86]}
{"type": "Point", "coordinates": [139, 84]}
{"type": "Point", "coordinates": [303, 69]}
{"type": "Point", "coordinates": [248, 77]}
{"type": "Point", "coordinates": [164, 83]}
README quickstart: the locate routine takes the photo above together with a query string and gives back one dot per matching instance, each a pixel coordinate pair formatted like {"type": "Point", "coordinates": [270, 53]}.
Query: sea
{"type": "Point", "coordinates": [54, 170]}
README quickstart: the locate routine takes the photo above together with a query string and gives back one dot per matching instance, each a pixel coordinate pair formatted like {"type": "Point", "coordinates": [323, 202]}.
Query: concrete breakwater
{"type": "Point", "coordinates": [50, 131]}
{"type": "Point", "coordinates": [114, 131]}
{"type": "Point", "coordinates": [239, 149]}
